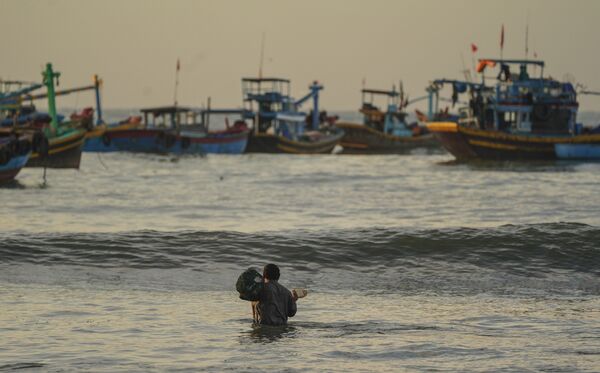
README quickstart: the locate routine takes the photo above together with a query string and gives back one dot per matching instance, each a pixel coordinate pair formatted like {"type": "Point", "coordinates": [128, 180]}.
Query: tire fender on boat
{"type": "Point", "coordinates": [106, 139]}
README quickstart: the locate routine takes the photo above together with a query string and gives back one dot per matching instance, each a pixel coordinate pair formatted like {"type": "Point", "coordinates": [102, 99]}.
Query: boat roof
{"type": "Point", "coordinates": [513, 62]}
{"type": "Point", "coordinates": [225, 111]}
{"type": "Point", "coordinates": [456, 81]}
{"type": "Point", "coordinates": [166, 109]}
{"type": "Point", "coordinates": [380, 92]}
{"type": "Point", "coordinates": [259, 80]}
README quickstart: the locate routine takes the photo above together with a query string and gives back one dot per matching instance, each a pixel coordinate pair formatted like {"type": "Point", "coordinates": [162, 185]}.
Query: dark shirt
{"type": "Point", "coordinates": [276, 304]}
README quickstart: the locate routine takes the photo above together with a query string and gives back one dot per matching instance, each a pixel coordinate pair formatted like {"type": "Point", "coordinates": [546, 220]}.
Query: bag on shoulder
{"type": "Point", "coordinates": [249, 285]}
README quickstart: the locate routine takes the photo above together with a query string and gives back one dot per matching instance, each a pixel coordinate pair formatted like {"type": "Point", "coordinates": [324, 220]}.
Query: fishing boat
{"type": "Point", "coordinates": [56, 143]}
{"type": "Point", "coordinates": [279, 126]}
{"type": "Point", "coordinates": [177, 130]}
{"type": "Point", "coordinates": [384, 132]}
{"type": "Point", "coordinates": [15, 147]}
{"type": "Point", "coordinates": [519, 117]}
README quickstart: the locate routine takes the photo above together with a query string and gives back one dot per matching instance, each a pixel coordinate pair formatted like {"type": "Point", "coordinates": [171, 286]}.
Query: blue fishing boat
{"type": "Point", "coordinates": [279, 126]}
{"type": "Point", "coordinates": [15, 144]}
{"type": "Point", "coordinates": [519, 117]}
{"type": "Point", "coordinates": [177, 130]}
{"type": "Point", "coordinates": [384, 132]}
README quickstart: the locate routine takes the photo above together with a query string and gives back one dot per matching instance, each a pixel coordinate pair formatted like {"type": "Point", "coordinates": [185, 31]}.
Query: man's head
{"type": "Point", "coordinates": [271, 272]}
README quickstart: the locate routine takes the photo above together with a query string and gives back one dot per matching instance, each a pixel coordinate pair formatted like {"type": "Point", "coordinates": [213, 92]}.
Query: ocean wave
{"type": "Point", "coordinates": [517, 249]}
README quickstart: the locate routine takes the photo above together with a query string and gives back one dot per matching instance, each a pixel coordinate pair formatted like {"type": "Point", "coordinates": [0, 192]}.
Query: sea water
{"type": "Point", "coordinates": [412, 263]}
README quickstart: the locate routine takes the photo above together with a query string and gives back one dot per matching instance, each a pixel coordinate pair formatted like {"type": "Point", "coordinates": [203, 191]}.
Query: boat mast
{"type": "Point", "coordinates": [97, 83]}
{"type": "Point", "coordinates": [262, 54]}
{"type": "Point", "coordinates": [176, 82]}
{"type": "Point", "coordinates": [49, 76]}
{"type": "Point", "coordinates": [527, 36]}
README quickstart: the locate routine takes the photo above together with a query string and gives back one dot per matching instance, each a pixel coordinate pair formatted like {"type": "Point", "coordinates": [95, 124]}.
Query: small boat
{"type": "Point", "coordinates": [518, 118]}
{"type": "Point", "coordinates": [383, 132]}
{"type": "Point", "coordinates": [278, 126]}
{"type": "Point", "coordinates": [177, 130]}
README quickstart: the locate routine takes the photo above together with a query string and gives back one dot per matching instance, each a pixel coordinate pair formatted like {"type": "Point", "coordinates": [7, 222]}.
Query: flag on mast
{"type": "Point", "coordinates": [474, 48]}
{"type": "Point", "coordinates": [502, 37]}
{"type": "Point", "coordinates": [178, 65]}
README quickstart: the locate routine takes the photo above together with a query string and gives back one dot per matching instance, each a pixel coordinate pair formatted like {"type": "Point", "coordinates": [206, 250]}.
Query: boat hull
{"type": "Point", "coordinates": [470, 143]}
{"type": "Point", "coordinates": [10, 170]}
{"type": "Point", "coordinates": [165, 142]}
{"type": "Point", "coordinates": [360, 139]}
{"type": "Point", "coordinates": [63, 151]}
{"type": "Point", "coordinates": [269, 143]}
{"type": "Point", "coordinates": [584, 147]}
{"type": "Point", "coordinates": [98, 139]}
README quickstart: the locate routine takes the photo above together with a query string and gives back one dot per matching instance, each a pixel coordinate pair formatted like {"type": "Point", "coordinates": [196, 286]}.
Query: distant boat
{"type": "Point", "coordinates": [171, 129]}
{"type": "Point", "coordinates": [278, 126]}
{"type": "Point", "coordinates": [517, 118]}
{"type": "Point", "coordinates": [383, 132]}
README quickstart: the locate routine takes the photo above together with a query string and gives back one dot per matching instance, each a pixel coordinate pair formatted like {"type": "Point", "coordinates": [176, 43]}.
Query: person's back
{"type": "Point", "coordinates": [276, 303]}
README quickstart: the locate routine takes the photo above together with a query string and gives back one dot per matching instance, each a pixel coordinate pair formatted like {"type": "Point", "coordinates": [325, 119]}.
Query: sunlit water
{"type": "Point", "coordinates": [412, 263]}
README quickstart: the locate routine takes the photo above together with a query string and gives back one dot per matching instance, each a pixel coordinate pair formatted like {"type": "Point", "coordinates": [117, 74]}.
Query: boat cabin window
{"type": "Point", "coordinates": [507, 120]}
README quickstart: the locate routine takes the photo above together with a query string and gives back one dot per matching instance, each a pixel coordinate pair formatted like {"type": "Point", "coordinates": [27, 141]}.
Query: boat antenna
{"type": "Point", "coordinates": [527, 36]}
{"type": "Point", "coordinates": [465, 71]}
{"type": "Point", "coordinates": [176, 81]}
{"type": "Point", "coordinates": [262, 54]}
{"type": "Point", "coordinates": [502, 42]}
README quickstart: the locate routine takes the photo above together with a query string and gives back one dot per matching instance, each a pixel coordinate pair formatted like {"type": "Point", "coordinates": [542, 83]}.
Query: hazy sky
{"type": "Point", "coordinates": [134, 44]}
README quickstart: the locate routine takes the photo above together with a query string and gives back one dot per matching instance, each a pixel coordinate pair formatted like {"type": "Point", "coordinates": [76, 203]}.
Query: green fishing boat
{"type": "Point", "coordinates": [65, 138]}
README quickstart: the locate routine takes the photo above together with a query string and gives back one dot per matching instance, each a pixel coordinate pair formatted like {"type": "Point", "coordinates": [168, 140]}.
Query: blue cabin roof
{"type": "Point", "coordinates": [513, 62]}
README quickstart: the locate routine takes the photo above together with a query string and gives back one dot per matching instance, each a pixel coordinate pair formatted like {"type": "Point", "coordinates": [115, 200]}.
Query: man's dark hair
{"type": "Point", "coordinates": [271, 272]}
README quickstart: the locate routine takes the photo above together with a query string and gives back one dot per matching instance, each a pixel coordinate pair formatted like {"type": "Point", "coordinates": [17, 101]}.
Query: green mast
{"type": "Point", "coordinates": [49, 76]}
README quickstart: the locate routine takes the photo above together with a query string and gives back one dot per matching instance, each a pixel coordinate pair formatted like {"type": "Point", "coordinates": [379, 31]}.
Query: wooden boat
{"type": "Point", "coordinates": [278, 126]}
{"type": "Point", "coordinates": [383, 132]}
{"type": "Point", "coordinates": [63, 151]}
{"type": "Point", "coordinates": [55, 143]}
{"type": "Point", "coordinates": [313, 142]}
{"type": "Point", "coordinates": [176, 130]}
{"type": "Point", "coordinates": [518, 118]}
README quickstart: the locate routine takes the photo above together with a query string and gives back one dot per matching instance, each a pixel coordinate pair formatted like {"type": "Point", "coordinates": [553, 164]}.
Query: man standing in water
{"type": "Point", "coordinates": [276, 303]}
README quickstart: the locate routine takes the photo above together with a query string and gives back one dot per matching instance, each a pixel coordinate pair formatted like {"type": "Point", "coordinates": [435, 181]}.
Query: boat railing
{"type": "Point", "coordinates": [466, 118]}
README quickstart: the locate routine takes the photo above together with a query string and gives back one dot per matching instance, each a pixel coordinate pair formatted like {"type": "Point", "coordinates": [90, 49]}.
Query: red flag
{"type": "Point", "coordinates": [178, 65]}
{"type": "Point", "coordinates": [473, 48]}
{"type": "Point", "coordinates": [502, 37]}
